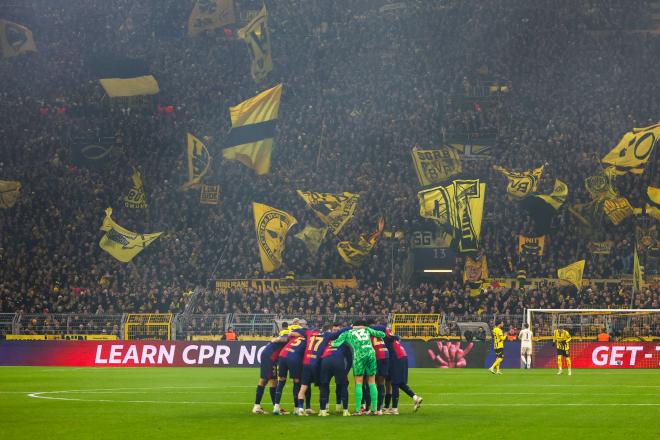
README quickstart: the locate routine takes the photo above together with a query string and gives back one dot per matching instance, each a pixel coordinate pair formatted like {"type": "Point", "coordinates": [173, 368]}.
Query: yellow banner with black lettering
{"type": "Point", "coordinates": [618, 209]}
{"type": "Point", "coordinates": [572, 273]}
{"type": "Point", "coordinates": [121, 243]}
{"type": "Point", "coordinates": [354, 254]}
{"type": "Point", "coordinates": [210, 14]}
{"type": "Point", "coordinates": [209, 194]}
{"type": "Point", "coordinates": [435, 166]}
{"type": "Point", "coordinates": [521, 183]}
{"type": "Point", "coordinates": [15, 39]}
{"type": "Point", "coordinates": [10, 191]}
{"type": "Point", "coordinates": [312, 238]}
{"type": "Point", "coordinates": [634, 149]}
{"type": "Point", "coordinates": [335, 210]}
{"type": "Point", "coordinates": [271, 225]}
{"type": "Point", "coordinates": [459, 205]}
{"type": "Point", "coordinates": [257, 36]}
{"type": "Point", "coordinates": [135, 197]}
{"type": "Point", "coordinates": [250, 140]}
{"type": "Point", "coordinates": [199, 162]}
{"type": "Point", "coordinates": [534, 246]}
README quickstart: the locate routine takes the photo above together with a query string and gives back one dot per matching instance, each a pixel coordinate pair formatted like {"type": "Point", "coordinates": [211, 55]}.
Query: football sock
{"type": "Point", "coordinates": [260, 394]}
{"type": "Point", "coordinates": [358, 396]}
{"type": "Point", "coordinates": [388, 400]}
{"type": "Point", "coordinates": [324, 395]}
{"type": "Point", "coordinates": [559, 362]}
{"type": "Point", "coordinates": [529, 361]}
{"type": "Point", "coordinates": [296, 390]}
{"type": "Point", "coordinates": [568, 363]}
{"type": "Point", "coordinates": [524, 361]}
{"type": "Point", "coordinates": [497, 363]}
{"type": "Point", "coordinates": [406, 389]}
{"type": "Point", "coordinates": [373, 396]}
{"type": "Point", "coordinates": [381, 395]}
{"type": "Point", "coordinates": [272, 393]}
{"type": "Point", "coordinates": [395, 396]}
{"type": "Point", "coordinates": [344, 396]}
{"type": "Point", "coordinates": [366, 395]}
{"type": "Point", "coordinates": [278, 391]}
{"type": "Point", "coordinates": [308, 398]}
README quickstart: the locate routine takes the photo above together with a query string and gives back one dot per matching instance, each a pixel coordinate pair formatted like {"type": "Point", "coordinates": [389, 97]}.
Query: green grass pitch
{"type": "Point", "coordinates": [205, 403]}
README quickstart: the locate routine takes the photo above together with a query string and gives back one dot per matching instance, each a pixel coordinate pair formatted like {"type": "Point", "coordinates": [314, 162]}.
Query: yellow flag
{"type": "Point", "coordinates": [335, 210]}
{"type": "Point", "coordinates": [10, 191]}
{"type": "Point", "coordinates": [136, 197]}
{"type": "Point", "coordinates": [271, 225]}
{"type": "Point", "coordinates": [634, 149]}
{"type": "Point", "coordinates": [312, 238]}
{"type": "Point", "coordinates": [654, 194]}
{"type": "Point", "coordinates": [15, 39]}
{"type": "Point", "coordinates": [600, 186]}
{"type": "Point", "coordinates": [531, 245]}
{"type": "Point", "coordinates": [460, 205]}
{"type": "Point", "coordinates": [435, 166]}
{"type": "Point", "coordinates": [355, 254]}
{"type": "Point", "coordinates": [558, 195]}
{"type": "Point", "coordinates": [638, 281]}
{"type": "Point", "coordinates": [121, 243]}
{"type": "Point", "coordinates": [521, 183]}
{"type": "Point", "coordinates": [572, 273]}
{"type": "Point", "coordinates": [618, 209]}
{"type": "Point", "coordinates": [210, 14]}
{"type": "Point", "coordinates": [253, 129]}
{"type": "Point", "coordinates": [199, 162]}
{"type": "Point", "coordinates": [257, 36]}
{"type": "Point", "coordinates": [475, 271]}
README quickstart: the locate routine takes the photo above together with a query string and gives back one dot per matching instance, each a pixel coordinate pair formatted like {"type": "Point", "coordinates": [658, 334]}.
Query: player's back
{"type": "Point", "coordinates": [525, 336]}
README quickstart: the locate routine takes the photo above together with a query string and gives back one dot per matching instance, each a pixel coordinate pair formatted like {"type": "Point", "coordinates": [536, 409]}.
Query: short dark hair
{"type": "Point", "coordinates": [526, 325]}
{"type": "Point", "coordinates": [285, 324]}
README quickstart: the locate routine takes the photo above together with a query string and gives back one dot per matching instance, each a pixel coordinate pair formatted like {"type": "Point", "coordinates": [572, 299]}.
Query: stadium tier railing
{"type": "Point", "coordinates": [253, 324]}
{"type": "Point", "coordinates": [59, 325]}
{"type": "Point", "coordinates": [192, 326]}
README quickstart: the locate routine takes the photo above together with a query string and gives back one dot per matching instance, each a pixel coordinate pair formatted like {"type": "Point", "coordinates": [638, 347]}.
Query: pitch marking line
{"type": "Point", "coordinates": [43, 395]}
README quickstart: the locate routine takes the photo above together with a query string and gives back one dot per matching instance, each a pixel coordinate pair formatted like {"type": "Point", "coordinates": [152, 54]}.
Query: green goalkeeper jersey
{"type": "Point", "coordinates": [359, 339]}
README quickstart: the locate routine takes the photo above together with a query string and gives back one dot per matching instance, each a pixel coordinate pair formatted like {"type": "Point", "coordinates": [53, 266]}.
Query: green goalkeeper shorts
{"type": "Point", "coordinates": [366, 365]}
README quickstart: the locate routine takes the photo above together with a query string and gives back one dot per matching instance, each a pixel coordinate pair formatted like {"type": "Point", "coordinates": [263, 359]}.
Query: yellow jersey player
{"type": "Point", "coordinates": [498, 345]}
{"type": "Point", "coordinates": [561, 339]}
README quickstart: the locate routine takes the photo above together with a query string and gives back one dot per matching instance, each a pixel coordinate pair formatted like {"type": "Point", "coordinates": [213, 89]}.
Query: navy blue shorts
{"type": "Point", "coordinates": [291, 365]}
{"type": "Point", "coordinates": [382, 367]}
{"type": "Point", "coordinates": [333, 367]}
{"type": "Point", "coordinates": [268, 369]}
{"type": "Point", "coordinates": [399, 371]}
{"type": "Point", "coordinates": [310, 374]}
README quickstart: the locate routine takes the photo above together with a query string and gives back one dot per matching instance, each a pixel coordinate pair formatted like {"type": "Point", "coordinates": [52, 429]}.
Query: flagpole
{"type": "Point", "coordinates": [318, 156]}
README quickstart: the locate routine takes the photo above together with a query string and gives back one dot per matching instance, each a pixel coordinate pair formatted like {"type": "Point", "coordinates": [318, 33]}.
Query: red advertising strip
{"type": "Point", "coordinates": [603, 355]}
{"type": "Point", "coordinates": [131, 353]}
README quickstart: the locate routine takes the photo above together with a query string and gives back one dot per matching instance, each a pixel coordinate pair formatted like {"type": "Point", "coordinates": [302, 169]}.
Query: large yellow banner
{"type": "Point", "coordinates": [335, 210]}
{"type": "Point", "coordinates": [634, 150]}
{"type": "Point", "coordinates": [257, 36]}
{"type": "Point", "coordinates": [210, 14]}
{"type": "Point", "coordinates": [436, 166]}
{"type": "Point", "coordinates": [121, 243]}
{"type": "Point", "coordinates": [271, 225]}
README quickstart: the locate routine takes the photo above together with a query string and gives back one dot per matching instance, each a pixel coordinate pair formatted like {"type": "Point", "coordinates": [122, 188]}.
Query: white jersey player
{"type": "Point", "coordinates": [525, 337]}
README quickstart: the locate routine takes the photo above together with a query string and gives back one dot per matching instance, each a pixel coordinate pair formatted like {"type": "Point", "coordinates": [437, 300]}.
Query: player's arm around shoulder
{"type": "Point", "coordinates": [340, 340]}
{"type": "Point", "coordinates": [376, 333]}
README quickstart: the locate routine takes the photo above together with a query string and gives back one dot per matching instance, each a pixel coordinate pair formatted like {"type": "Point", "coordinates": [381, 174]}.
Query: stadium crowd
{"type": "Point", "coordinates": [362, 87]}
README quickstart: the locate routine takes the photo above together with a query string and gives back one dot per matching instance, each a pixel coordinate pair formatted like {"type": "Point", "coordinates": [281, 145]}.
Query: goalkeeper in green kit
{"type": "Point", "coordinates": [364, 361]}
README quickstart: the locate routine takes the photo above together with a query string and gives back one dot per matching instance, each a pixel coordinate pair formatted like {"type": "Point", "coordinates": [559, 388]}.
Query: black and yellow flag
{"type": "Point", "coordinates": [601, 247]}
{"type": "Point", "coordinates": [135, 197]}
{"type": "Point", "coordinates": [653, 209]}
{"type": "Point", "coordinates": [335, 210]}
{"type": "Point", "coordinates": [199, 162]}
{"type": "Point", "coordinates": [253, 129]}
{"type": "Point", "coordinates": [475, 270]}
{"type": "Point", "coordinates": [271, 225]}
{"type": "Point", "coordinates": [210, 14]}
{"type": "Point", "coordinates": [590, 218]}
{"type": "Point", "coordinates": [121, 243]}
{"type": "Point", "coordinates": [312, 238]}
{"type": "Point", "coordinates": [209, 194]}
{"type": "Point", "coordinates": [618, 209]}
{"type": "Point", "coordinates": [436, 166]}
{"type": "Point", "coordinates": [459, 205]}
{"type": "Point", "coordinates": [15, 39]}
{"type": "Point", "coordinates": [634, 149]}
{"type": "Point", "coordinates": [542, 207]}
{"type": "Point", "coordinates": [534, 246]}
{"type": "Point", "coordinates": [521, 183]}
{"type": "Point", "coordinates": [600, 187]}
{"type": "Point", "coordinates": [647, 238]}
{"type": "Point", "coordinates": [257, 36]}
{"type": "Point", "coordinates": [354, 254]}
{"type": "Point", "coordinates": [10, 191]}
{"type": "Point", "coordinates": [572, 273]}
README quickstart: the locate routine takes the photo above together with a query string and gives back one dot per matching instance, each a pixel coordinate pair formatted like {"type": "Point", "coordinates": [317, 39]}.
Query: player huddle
{"type": "Point", "coordinates": [308, 356]}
